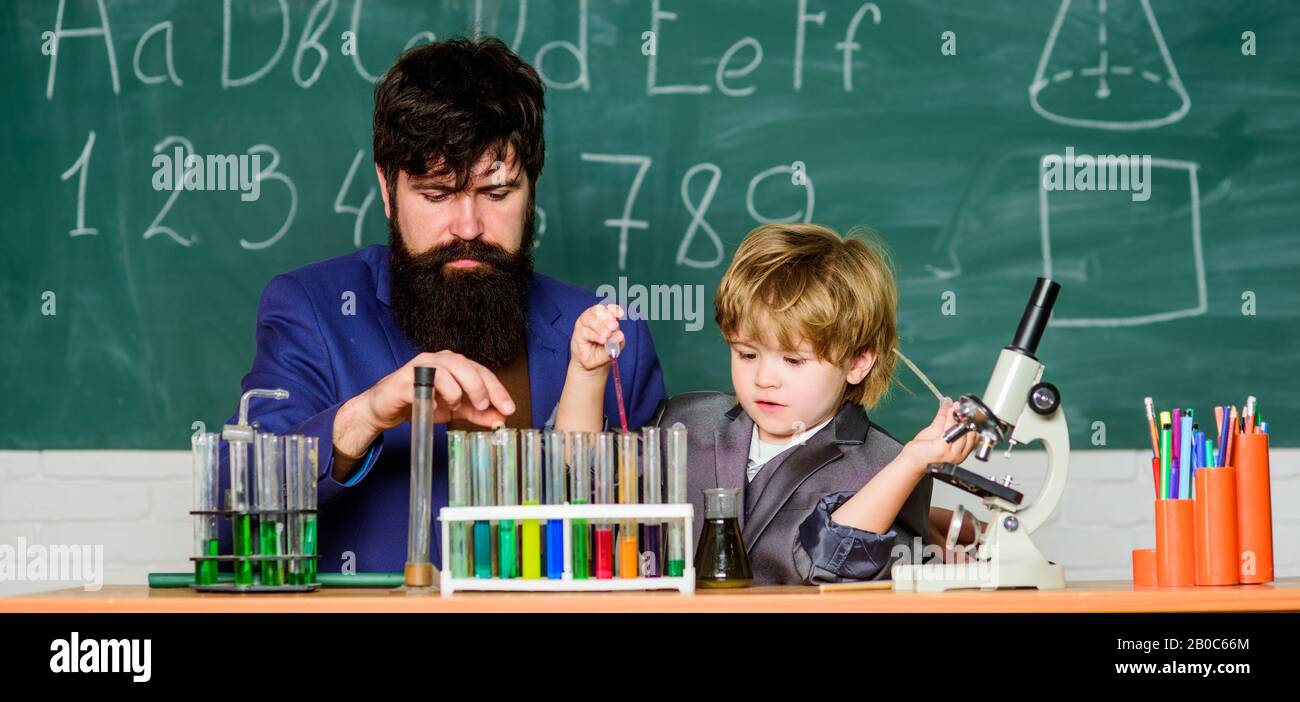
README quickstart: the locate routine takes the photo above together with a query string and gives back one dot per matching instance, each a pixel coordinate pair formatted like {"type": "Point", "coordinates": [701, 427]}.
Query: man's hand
{"type": "Point", "coordinates": [462, 388]}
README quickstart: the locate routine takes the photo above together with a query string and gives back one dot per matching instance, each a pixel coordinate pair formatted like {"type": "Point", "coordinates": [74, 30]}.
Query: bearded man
{"type": "Point", "coordinates": [458, 149]}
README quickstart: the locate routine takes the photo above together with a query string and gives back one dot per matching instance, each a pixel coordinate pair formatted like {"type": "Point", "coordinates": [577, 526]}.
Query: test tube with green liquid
{"type": "Point", "coordinates": [652, 556]}
{"type": "Point", "coordinates": [268, 462]}
{"type": "Point", "coordinates": [507, 495]}
{"type": "Point", "coordinates": [555, 494]}
{"type": "Point", "coordinates": [628, 551]}
{"type": "Point", "coordinates": [293, 496]}
{"type": "Point", "coordinates": [480, 457]}
{"type": "Point", "coordinates": [241, 521]}
{"type": "Point", "coordinates": [530, 451]}
{"type": "Point", "coordinates": [205, 448]}
{"type": "Point", "coordinates": [458, 490]}
{"type": "Point", "coordinates": [675, 457]}
{"type": "Point", "coordinates": [580, 494]}
{"type": "Point", "coordinates": [309, 466]}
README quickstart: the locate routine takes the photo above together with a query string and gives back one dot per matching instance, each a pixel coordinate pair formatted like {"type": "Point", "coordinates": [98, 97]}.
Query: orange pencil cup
{"type": "Point", "coordinates": [1254, 508]}
{"type": "Point", "coordinates": [1175, 543]}
{"type": "Point", "coordinates": [1144, 567]}
{"type": "Point", "coordinates": [1216, 526]}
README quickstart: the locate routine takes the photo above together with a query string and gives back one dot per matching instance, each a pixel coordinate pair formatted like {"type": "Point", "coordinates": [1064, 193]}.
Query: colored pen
{"type": "Point", "coordinates": [1166, 439]}
{"type": "Point", "coordinates": [1151, 424]}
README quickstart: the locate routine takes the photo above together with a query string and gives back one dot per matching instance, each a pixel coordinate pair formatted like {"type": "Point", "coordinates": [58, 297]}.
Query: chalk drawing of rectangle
{"type": "Point", "coordinates": [1197, 256]}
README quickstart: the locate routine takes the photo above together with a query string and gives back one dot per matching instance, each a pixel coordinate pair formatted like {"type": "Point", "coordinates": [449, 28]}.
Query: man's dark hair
{"type": "Point", "coordinates": [442, 106]}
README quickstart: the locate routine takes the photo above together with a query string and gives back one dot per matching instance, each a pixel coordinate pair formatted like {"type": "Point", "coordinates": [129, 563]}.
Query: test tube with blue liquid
{"type": "Point", "coordinates": [480, 456]}
{"type": "Point", "coordinates": [555, 495]}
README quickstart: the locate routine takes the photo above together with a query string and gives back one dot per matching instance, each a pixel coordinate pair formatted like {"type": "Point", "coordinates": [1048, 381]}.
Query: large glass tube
{"type": "Point", "coordinates": [458, 496]}
{"type": "Point", "coordinates": [419, 570]}
{"type": "Point", "coordinates": [676, 460]}
{"type": "Point", "coordinates": [580, 474]}
{"type": "Point", "coordinates": [205, 448]}
{"type": "Point", "coordinates": [530, 451]}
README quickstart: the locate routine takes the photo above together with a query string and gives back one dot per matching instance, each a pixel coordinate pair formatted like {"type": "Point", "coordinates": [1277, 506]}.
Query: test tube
{"type": "Point", "coordinates": [676, 460]}
{"type": "Point", "coordinates": [628, 553]}
{"type": "Point", "coordinates": [604, 451]}
{"type": "Point", "coordinates": [309, 467]}
{"type": "Point", "coordinates": [530, 451]}
{"type": "Point", "coordinates": [555, 495]}
{"type": "Point", "coordinates": [458, 496]}
{"type": "Point", "coordinates": [507, 494]}
{"type": "Point", "coordinates": [241, 521]}
{"type": "Point", "coordinates": [205, 448]}
{"type": "Point", "coordinates": [293, 497]}
{"type": "Point", "coordinates": [268, 463]}
{"type": "Point", "coordinates": [419, 570]}
{"type": "Point", "coordinates": [652, 542]}
{"type": "Point", "coordinates": [480, 456]}
{"type": "Point", "coordinates": [580, 474]}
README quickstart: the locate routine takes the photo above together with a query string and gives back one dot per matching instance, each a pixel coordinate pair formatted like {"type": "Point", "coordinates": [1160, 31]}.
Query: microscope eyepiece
{"type": "Point", "coordinates": [1037, 313]}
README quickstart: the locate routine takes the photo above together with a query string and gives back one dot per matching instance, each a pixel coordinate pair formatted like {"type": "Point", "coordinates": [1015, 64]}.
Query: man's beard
{"type": "Point", "coordinates": [479, 312]}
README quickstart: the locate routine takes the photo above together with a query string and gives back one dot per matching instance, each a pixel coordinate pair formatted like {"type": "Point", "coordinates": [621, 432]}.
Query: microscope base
{"type": "Point", "coordinates": [939, 577]}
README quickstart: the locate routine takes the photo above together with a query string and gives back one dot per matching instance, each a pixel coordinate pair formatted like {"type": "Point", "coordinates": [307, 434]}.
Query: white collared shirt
{"type": "Point", "coordinates": [760, 452]}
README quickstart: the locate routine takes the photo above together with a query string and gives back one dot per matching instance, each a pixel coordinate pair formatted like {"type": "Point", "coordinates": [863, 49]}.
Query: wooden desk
{"type": "Point", "coordinates": [1282, 595]}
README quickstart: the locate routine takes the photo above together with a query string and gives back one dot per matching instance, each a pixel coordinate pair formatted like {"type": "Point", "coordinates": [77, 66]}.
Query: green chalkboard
{"type": "Point", "coordinates": [129, 312]}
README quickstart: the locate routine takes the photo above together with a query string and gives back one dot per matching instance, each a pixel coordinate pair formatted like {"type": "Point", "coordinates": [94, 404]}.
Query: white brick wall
{"type": "Point", "coordinates": [134, 504]}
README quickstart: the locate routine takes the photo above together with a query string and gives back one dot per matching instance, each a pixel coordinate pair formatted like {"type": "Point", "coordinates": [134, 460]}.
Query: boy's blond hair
{"type": "Point", "coordinates": [789, 282]}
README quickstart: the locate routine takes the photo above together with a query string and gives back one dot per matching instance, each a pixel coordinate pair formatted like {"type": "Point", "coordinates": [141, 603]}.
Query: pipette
{"type": "Point", "coordinates": [611, 348]}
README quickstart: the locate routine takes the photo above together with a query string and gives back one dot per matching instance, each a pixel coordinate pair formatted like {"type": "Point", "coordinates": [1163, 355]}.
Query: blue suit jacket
{"type": "Point", "coordinates": [307, 345]}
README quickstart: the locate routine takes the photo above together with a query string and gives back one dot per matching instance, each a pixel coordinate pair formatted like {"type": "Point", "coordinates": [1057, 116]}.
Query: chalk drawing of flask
{"type": "Point", "coordinates": [1106, 66]}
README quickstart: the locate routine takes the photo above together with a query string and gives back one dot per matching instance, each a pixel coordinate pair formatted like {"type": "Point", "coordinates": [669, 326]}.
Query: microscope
{"type": "Point", "coordinates": [1018, 407]}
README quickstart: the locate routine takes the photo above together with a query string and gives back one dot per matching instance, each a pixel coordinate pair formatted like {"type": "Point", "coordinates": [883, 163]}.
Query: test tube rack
{"type": "Point", "coordinates": [294, 554]}
{"type": "Point", "coordinates": [641, 513]}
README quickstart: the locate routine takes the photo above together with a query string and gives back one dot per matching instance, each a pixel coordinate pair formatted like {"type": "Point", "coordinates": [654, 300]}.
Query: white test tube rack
{"type": "Point", "coordinates": [641, 513]}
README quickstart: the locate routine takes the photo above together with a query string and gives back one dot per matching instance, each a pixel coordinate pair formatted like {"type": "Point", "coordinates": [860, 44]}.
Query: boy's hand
{"type": "Point", "coordinates": [597, 325]}
{"type": "Point", "coordinates": [929, 447]}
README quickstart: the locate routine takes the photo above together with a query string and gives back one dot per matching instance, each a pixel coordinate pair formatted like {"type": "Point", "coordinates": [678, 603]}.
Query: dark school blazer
{"type": "Point", "coordinates": [786, 524]}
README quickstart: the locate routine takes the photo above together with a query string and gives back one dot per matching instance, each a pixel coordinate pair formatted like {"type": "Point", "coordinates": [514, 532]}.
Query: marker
{"type": "Point", "coordinates": [1166, 439]}
{"type": "Point", "coordinates": [1185, 460]}
{"type": "Point", "coordinates": [1177, 426]}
